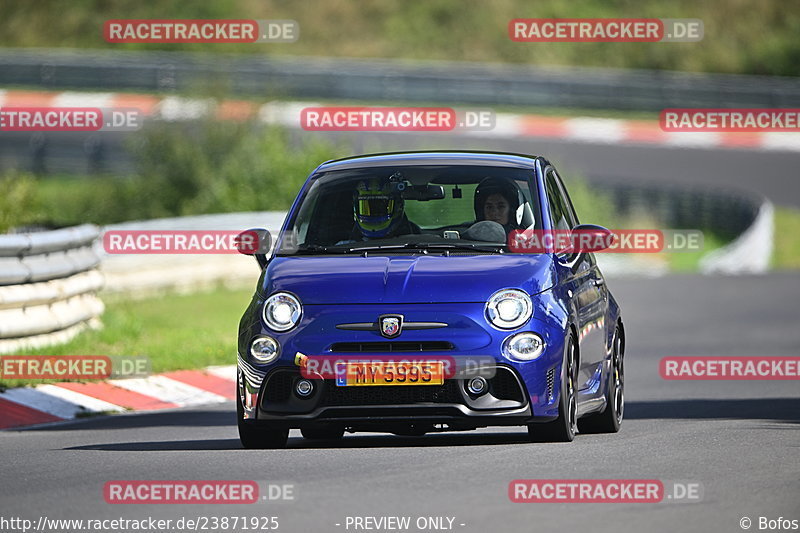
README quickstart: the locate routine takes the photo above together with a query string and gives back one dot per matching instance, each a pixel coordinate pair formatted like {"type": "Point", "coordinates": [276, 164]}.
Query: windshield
{"type": "Point", "coordinates": [413, 207]}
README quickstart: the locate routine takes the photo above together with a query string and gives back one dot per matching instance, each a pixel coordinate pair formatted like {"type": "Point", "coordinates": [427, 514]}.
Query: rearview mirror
{"type": "Point", "coordinates": [424, 193]}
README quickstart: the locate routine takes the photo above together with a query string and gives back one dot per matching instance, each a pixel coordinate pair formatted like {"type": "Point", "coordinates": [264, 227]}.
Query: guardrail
{"type": "Point", "coordinates": [48, 282]}
{"type": "Point", "coordinates": [746, 219]}
{"type": "Point", "coordinates": [392, 80]}
{"type": "Point", "coordinates": [726, 212]}
{"type": "Point", "coordinates": [144, 275]}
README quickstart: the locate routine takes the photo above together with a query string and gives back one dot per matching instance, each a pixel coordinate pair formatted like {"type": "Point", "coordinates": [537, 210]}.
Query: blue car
{"type": "Point", "coordinates": [398, 298]}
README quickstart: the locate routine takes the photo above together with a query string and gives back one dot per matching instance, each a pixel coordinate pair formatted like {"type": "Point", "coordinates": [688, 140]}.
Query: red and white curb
{"type": "Point", "coordinates": [580, 129]}
{"type": "Point", "coordinates": [55, 402]}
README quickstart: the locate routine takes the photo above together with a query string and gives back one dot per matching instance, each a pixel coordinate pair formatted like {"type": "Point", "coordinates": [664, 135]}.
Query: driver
{"type": "Point", "coordinates": [379, 210]}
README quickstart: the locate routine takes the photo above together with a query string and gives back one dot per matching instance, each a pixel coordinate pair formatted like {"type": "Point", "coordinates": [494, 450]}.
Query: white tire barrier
{"type": "Point", "coordinates": [48, 286]}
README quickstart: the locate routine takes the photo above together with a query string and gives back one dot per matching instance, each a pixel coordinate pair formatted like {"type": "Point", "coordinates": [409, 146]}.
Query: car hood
{"type": "Point", "coordinates": [406, 279]}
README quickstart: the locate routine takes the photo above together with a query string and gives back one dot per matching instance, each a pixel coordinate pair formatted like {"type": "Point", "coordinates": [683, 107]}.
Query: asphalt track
{"type": "Point", "coordinates": [739, 440]}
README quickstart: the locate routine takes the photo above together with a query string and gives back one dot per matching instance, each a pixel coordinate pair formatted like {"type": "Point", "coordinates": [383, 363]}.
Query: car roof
{"type": "Point", "coordinates": [432, 157]}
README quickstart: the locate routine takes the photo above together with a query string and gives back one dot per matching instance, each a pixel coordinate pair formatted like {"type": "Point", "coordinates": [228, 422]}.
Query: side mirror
{"type": "Point", "coordinates": [255, 242]}
{"type": "Point", "coordinates": [587, 238]}
{"type": "Point", "coordinates": [569, 245]}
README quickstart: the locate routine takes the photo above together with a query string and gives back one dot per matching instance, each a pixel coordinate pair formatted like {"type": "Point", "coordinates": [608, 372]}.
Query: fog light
{"type": "Point", "coordinates": [304, 388]}
{"type": "Point", "coordinates": [525, 346]}
{"type": "Point", "coordinates": [477, 385]}
{"type": "Point", "coordinates": [264, 349]}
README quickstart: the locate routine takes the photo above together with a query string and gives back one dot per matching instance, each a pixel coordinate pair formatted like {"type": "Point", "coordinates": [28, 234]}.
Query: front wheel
{"type": "Point", "coordinates": [610, 419]}
{"type": "Point", "coordinates": [258, 436]}
{"type": "Point", "coordinates": [564, 428]}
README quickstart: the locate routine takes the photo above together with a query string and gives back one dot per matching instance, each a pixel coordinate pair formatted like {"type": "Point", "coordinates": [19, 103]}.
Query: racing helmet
{"type": "Point", "coordinates": [378, 207]}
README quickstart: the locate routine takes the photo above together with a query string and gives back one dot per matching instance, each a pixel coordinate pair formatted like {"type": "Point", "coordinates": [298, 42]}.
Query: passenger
{"type": "Point", "coordinates": [497, 200]}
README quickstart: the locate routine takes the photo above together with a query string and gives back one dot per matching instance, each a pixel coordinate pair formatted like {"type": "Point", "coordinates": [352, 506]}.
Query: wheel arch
{"type": "Point", "coordinates": [573, 330]}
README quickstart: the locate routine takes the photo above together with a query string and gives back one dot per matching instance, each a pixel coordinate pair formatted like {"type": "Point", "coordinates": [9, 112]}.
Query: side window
{"type": "Point", "coordinates": [558, 212]}
{"type": "Point", "coordinates": [569, 210]}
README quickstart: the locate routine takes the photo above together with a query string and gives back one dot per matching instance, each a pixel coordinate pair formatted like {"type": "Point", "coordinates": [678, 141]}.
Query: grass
{"type": "Point", "coordinates": [173, 331]}
{"type": "Point", "coordinates": [786, 251]}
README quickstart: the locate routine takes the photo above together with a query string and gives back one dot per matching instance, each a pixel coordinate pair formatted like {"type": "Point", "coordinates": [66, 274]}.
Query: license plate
{"type": "Point", "coordinates": [366, 374]}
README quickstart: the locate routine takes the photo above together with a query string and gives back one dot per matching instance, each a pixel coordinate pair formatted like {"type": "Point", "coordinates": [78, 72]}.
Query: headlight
{"type": "Point", "coordinates": [509, 308]}
{"type": "Point", "coordinates": [264, 349]}
{"type": "Point", "coordinates": [524, 347]}
{"type": "Point", "coordinates": [282, 311]}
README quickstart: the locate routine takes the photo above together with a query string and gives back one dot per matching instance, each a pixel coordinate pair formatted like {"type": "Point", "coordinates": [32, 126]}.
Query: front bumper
{"type": "Point", "coordinates": [268, 394]}
{"type": "Point", "coordinates": [273, 400]}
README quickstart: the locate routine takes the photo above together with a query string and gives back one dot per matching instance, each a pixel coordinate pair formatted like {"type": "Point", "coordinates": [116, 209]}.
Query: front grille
{"type": "Point", "coordinates": [279, 387]}
{"type": "Point", "coordinates": [397, 346]}
{"type": "Point", "coordinates": [391, 394]}
{"type": "Point", "coordinates": [504, 386]}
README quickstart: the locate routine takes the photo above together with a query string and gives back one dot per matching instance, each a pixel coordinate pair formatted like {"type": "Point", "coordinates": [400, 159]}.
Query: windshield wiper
{"type": "Point", "coordinates": [484, 247]}
{"type": "Point", "coordinates": [311, 249]}
{"type": "Point", "coordinates": [497, 248]}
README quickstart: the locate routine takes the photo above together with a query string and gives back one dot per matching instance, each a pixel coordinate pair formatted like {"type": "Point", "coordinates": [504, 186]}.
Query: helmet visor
{"type": "Point", "coordinates": [375, 206]}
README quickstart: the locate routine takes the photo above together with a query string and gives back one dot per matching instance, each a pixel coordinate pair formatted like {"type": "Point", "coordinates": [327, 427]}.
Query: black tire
{"type": "Point", "coordinates": [564, 428]}
{"type": "Point", "coordinates": [258, 436]}
{"type": "Point", "coordinates": [610, 419]}
{"type": "Point", "coordinates": [323, 432]}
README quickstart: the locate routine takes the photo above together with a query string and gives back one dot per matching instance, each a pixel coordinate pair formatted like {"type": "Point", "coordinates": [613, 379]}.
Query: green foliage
{"type": "Point", "coordinates": [17, 201]}
{"type": "Point", "coordinates": [741, 36]}
{"type": "Point", "coordinates": [221, 167]}
{"type": "Point", "coordinates": [786, 252]}
{"type": "Point", "coordinates": [71, 200]}
{"type": "Point", "coordinates": [593, 206]}
{"type": "Point", "coordinates": [183, 169]}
